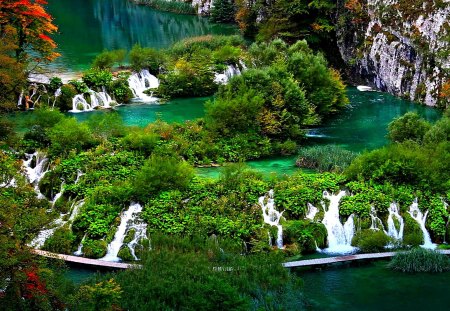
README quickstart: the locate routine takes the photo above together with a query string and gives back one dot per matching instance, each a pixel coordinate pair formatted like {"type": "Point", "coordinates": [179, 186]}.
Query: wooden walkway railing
{"type": "Point", "coordinates": [292, 264]}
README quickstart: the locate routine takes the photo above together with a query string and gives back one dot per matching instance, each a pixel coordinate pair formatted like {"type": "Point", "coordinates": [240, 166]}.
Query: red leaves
{"type": "Point", "coordinates": [33, 286]}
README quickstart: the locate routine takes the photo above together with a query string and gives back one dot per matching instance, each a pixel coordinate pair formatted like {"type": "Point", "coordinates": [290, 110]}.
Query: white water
{"type": "Point", "coordinates": [339, 236]}
{"type": "Point", "coordinates": [421, 219]}
{"type": "Point", "coordinates": [271, 216]}
{"type": "Point", "coordinates": [393, 231]}
{"type": "Point", "coordinates": [79, 250]}
{"type": "Point", "coordinates": [139, 235]}
{"type": "Point", "coordinates": [139, 82]}
{"type": "Point", "coordinates": [35, 173]}
{"type": "Point", "coordinates": [79, 174]}
{"type": "Point", "coordinates": [117, 242]}
{"type": "Point", "coordinates": [364, 88]}
{"type": "Point", "coordinates": [43, 235]}
{"type": "Point", "coordinates": [98, 100]}
{"type": "Point", "coordinates": [376, 224]}
{"type": "Point", "coordinates": [223, 78]}
{"type": "Point", "coordinates": [312, 211]}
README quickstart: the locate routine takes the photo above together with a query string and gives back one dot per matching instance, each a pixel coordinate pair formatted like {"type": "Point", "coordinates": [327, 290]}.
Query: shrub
{"type": "Point", "coordinates": [94, 248]}
{"type": "Point", "coordinates": [420, 260]}
{"type": "Point", "coordinates": [107, 59]}
{"type": "Point", "coordinates": [408, 127]}
{"type": "Point", "coordinates": [121, 91]}
{"type": "Point", "coordinates": [370, 241]}
{"type": "Point", "coordinates": [64, 101]}
{"type": "Point", "coordinates": [125, 253]}
{"type": "Point", "coordinates": [97, 78]}
{"type": "Point", "coordinates": [62, 241]}
{"type": "Point", "coordinates": [162, 173]}
{"type": "Point", "coordinates": [308, 235]}
{"type": "Point", "coordinates": [331, 158]}
{"type": "Point", "coordinates": [68, 134]}
{"type": "Point", "coordinates": [145, 58]}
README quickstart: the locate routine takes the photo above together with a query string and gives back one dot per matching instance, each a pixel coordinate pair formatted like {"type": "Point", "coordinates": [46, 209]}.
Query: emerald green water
{"type": "Point", "coordinates": [88, 27]}
{"type": "Point", "coordinates": [373, 287]}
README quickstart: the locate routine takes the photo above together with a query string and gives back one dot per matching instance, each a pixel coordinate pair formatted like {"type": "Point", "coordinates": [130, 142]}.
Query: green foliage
{"type": "Point", "coordinates": [223, 11]}
{"type": "Point", "coordinates": [97, 78]}
{"type": "Point", "coordinates": [408, 127]}
{"type": "Point", "coordinates": [80, 86]}
{"type": "Point", "coordinates": [61, 242]}
{"type": "Point", "coordinates": [307, 235]}
{"type": "Point", "coordinates": [162, 174]}
{"type": "Point", "coordinates": [125, 254]}
{"type": "Point", "coordinates": [121, 91]}
{"type": "Point", "coordinates": [102, 296]}
{"type": "Point", "coordinates": [107, 59]}
{"type": "Point", "coordinates": [145, 58]}
{"type": "Point", "coordinates": [420, 260]}
{"type": "Point", "coordinates": [179, 7]}
{"type": "Point", "coordinates": [64, 101]}
{"type": "Point", "coordinates": [55, 83]}
{"type": "Point", "coordinates": [412, 234]}
{"type": "Point", "coordinates": [94, 248]}
{"type": "Point", "coordinates": [370, 241]}
{"type": "Point", "coordinates": [331, 158]}
{"type": "Point", "coordinates": [67, 135]}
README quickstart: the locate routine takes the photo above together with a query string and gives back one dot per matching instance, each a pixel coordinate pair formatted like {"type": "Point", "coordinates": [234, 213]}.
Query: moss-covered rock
{"type": "Point", "coordinates": [125, 253]}
{"type": "Point", "coordinates": [370, 241]}
{"type": "Point", "coordinates": [62, 241]}
{"type": "Point", "coordinates": [412, 235]}
{"type": "Point", "coordinates": [308, 235]}
{"type": "Point", "coordinates": [94, 248]}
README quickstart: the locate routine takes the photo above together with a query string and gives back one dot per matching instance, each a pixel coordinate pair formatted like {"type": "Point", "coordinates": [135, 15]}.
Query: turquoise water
{"type": "Point", "coordinates": [373, 287]}
{"type": "Point", "coordinates": [88, 27]}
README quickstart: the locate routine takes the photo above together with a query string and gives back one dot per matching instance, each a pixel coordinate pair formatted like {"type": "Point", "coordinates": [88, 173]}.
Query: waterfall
{"type": "Point", "coordinates": [312, 211]}
{"type": "Point", "coordinates": [421, 219]}
{"type": "Point", "coordinates": [339, 236]}
{"type": "Point", "coordinates": [79, 250]}
{"type": "Point", "coordinates": [56, 95]}
{"type": "Point", "coordinates": [98, 100]}
{"type": "Point", "coordinates": [393, 232]}
{"type": "Point", "coordinates": [58, 195]}
{"type": "Point", "coordinates": [20, 101]}
{"type": "Point", "coordinates": [223, 78]}
{"type": "Point", "coordinates": [139, 82]}
{"type": "Point", "coordinates": [43, 235]}
{"type": "Point", "coordinates": [377, 224]}
{"type": "Point", "coordinates": [271, 216]}
{"type": "Point", "coordinates": [79, 174]}
{"type": "Point", "coordinates": [117, 242]}
{"type": "Point", "coordinates": [140, 234]}
{"type": "Point", "coordinates": [35, 170]}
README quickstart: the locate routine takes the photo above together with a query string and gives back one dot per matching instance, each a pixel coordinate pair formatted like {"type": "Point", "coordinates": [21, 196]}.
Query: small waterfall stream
{"type": "Point", "coordinates": [117, 242]}
{"type": "Point", "coordinates": [97, 100]}
{"type": "Point", "coordinates": [223, 78]}
{"type": "Point", "coordinates": [393, 231]}
{"type": "Point", "coordinates": [421, 219]}
{"type": "Point", "coordinates": [35, 170]}
{"type": "Point", "coordinates": [312, 211]}
{"type": "Point", "coordinates": [339, 236]}
{"type": "Point", "coordinates": [271, 216]}
{"type": "Point", "coordinates": [376, 224]}
{"type": "Point", "coordinates": [139, 82]}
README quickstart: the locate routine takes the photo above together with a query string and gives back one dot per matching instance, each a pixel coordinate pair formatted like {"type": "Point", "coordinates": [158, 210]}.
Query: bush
{"type": "Point", "coordinates": [162, 173]}
{"type": "Point", "coordinates": [307, 235]}
{"type": "Point", "coordinates": [97, 78]}
{"type": "Point", "coordinates": [125, 253]}
{"type": "Point", "coordinates": [145, 58]}
{"type": "Point", "coordinates": [94, 248]}
{"type": "Point", "coordinates": [121, 91]}
{"type": "Point", "coordinates": [223, 11]}
{"type": "Point", "coordinates": [408, 127]}
{"type": "Point", "coordinates": [370, 241]}
{"type": "Point", "coordinates": [329, 158]}
{"type": "Point", "coordinates": [68, 134]}
{"type": "Point", "coordinates": [107, 59]}
{"type": "Point", "coordinates": [61, 242]}
{"type": "Point", "coordinates": [64, 101]}
{"type": "Point", "coordinates": [420, 260]}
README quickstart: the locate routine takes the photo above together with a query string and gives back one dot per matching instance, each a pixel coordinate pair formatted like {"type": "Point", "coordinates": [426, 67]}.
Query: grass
{"type": "Point", "coordinates": [329, 158]}
{"type": "Point", "coordinates": [174, 6]}
{"type": "Point", "coordinates": [420, 260]}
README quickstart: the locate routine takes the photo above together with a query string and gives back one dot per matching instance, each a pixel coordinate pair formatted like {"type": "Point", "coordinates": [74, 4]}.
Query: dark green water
{"type": "Point", "coordinates": [375, 288]}
{"type": "Point", "coordinates": [88, 27]}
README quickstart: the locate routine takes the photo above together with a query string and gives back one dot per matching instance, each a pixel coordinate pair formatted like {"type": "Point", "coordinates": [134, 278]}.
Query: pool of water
{"type": "Point", "coordinates": [88, 27]}
{"type": "Point", "coordinates": [374, 287]}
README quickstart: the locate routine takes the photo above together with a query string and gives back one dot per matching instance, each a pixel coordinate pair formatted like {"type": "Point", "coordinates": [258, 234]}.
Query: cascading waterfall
{"type": "Point", "coordinates": [117, 242]}
{"type": "Point", "coordinates": [376, 224]}
{"type": "Point", "coordinates": [393, 232]}
{"type": "Point", "coordinates": [339, 236]}
{"type": "Point", "coordinates": [139, 235]}
{"type": "Point", "coordinates": [421, 219]}
{"type": "Point", "coordinates": [312, 211]}
{"type": "Point", "coordinates": [271, 216]}
{"type": "Point", "coordinates": [79, 174]}
{"type": "Point", "coordinates": [58, 195]}
{"type": "Point", "coordinates": [223, 78]}
{"type": "Point", "coordinates": [35, 170]}
{"type": "Point", "coordinates": [79, 250]}
{"type": "Point", "coordinates": [98, 100]}
{"type": "Point", "coordinates": [43, 235]}
{"type": "Point", "coordinates": [139, 82]}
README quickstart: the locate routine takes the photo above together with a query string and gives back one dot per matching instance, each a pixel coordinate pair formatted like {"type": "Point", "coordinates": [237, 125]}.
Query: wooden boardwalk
{"type": "Point", "coordinates": [84, 261]}
{"type": "Point", "coordinates": [292, 264]}
{"type": "Point", "coordinates": [331, 260]}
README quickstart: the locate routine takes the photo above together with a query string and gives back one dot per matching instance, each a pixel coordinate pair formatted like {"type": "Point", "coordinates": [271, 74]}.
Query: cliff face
{"type": "Point", "coordinates": [203, 6]}
{"type": "Point", "coordinates": [398, 46]}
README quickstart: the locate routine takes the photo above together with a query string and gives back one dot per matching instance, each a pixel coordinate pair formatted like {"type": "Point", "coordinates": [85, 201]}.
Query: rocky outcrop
{"type": "Point", "coordinates": [398, 46]}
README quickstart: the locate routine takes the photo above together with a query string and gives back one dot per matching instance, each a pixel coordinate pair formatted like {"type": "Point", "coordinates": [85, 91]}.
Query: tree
{"type": "Point", "coordinates": [410, 126]}
{"type": "Point", "coordinates": [33, 26]}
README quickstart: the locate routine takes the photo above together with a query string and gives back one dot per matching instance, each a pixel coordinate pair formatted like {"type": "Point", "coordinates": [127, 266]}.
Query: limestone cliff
{"type": "Point", "coordinates": [398, 46]}
{"type": "Point", "coordinates": [203, 6]}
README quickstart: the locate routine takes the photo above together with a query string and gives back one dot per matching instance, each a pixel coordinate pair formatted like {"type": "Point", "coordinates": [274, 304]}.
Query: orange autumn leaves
{"type": "Point", "coordinates": [33, 27]}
